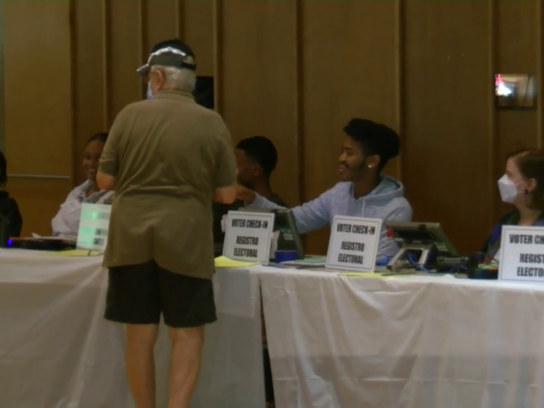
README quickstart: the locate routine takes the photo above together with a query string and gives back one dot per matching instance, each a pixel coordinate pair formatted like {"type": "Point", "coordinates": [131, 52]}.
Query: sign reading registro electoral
{"type": "Point", "coordinates": [522, 254]}
{"type": "Point", "coordinates": [248, 236]}
{"type": "Point", "coordinates": [353, 244]}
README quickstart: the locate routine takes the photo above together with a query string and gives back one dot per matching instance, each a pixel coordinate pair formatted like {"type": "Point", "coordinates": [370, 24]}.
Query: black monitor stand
{"type": "Point", "coordinates": [425, 249]}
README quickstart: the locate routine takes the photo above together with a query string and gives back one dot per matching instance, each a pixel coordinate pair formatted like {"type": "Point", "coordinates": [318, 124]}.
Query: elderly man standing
{"type": "Point", "coordinates": [167, 157]}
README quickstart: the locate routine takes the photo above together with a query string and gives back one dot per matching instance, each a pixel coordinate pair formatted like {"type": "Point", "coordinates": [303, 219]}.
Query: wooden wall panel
{"type": "Point", "coordinates": [124, 55]}
{"type": "Point", "coordinates": [90, 74]}
{"type": "Point", "coordinates": [447, 102]}
{"type": "Point", "coordinates": [259, 80]}
{"type": "Point", "coordinates": [295, 71]}
{"type": "Point", "coordinates": [39, 201]}
{"type": "Point", "coordinates": [198, 31]}
{"type": "Point", "coordinates": [348, 72]}
{"type": "Point", "coordinates": [37, 87]}
{"type": "Point", "coordinates": [37, 107]}
{"type": "Point", "coordinates": [170, 15]}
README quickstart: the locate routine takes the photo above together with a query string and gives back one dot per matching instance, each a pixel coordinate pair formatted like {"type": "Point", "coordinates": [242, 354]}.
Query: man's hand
{"type": "Point", "coordinates": [105, 181]}
{"type": "Point", "coordinates": [225, 195]}
{"type": "Point", "coordinates": [108, 201]}
{"type": "Point", "coordinates": [245, 194]}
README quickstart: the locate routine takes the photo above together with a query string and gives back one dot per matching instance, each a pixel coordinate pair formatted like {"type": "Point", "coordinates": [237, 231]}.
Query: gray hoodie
{"type": "Point", "coordinates": [386, 202]}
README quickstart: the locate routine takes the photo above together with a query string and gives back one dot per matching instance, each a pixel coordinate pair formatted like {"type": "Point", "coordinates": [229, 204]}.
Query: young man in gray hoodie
{"type": "Point", "coordinates": [362, 191]}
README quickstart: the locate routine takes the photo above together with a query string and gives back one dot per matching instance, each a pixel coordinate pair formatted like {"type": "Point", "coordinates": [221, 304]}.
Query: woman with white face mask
{"type": "Point", "coordinates": [523, 186]}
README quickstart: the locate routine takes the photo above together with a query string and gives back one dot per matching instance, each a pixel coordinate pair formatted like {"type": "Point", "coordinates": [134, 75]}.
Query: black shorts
{"type": "Point", "coordinates": [138, 294]}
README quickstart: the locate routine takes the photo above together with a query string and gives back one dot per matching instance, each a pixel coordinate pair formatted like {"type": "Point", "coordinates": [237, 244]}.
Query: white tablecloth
{"type": "Point", "coordinates": [57, 351]}
{"type": "Point", "coordinates": [338, 341]}
{"type": "Point", "coordinates": [335, 341]}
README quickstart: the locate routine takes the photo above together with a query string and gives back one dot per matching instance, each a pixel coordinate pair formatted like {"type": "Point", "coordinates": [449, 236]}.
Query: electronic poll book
{"type": "Point", "coordinates": [424, 244]}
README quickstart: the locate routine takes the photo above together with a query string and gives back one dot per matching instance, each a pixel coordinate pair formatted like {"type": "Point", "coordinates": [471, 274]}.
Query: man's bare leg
{"type": "Point", "coordinates": [184, 364]}
{"type": "Point", "coordinates": [140, 364]}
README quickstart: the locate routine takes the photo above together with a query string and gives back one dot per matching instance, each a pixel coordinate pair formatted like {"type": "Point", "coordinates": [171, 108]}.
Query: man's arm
{"type": "Point", "coordinates": [308, 217]}
{"type": "Point", "coordinates": [109, 160]}
{"type": "Point", "coordinates": [225, 195]}
{"type": "Point", "coordinates": [105, 181]}
{"type": "Point", "coordinates": [225, 171]}
{"type": "Point", "coordinates": [402, 213]}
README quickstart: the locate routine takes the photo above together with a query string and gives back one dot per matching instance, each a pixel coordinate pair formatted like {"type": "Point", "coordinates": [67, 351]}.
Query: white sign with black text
{"type": "Point", "coordinates": [353, 244]}
{"type": "Point", "coordinates": [522, 254]}
{"type": "Point", "coordinates": [248, 236]}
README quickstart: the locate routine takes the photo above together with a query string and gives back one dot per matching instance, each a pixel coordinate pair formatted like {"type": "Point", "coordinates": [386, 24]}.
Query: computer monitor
{"type": "Point", "coordinates": [284, 222]}
{"type": "Point", "coordinates": [426, 238]}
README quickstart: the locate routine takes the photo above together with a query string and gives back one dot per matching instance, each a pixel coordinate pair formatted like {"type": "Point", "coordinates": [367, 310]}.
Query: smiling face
{"type": "Point", "coordinates": [351, 160]}
{"type": "Point", "coordinates": [353, 164]}
{"type": "Point", "coordinates": [92, 154]}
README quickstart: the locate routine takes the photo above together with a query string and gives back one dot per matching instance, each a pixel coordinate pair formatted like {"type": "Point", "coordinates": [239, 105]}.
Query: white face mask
{"type": "Point", "coordinates": [509, 190]}
{"type": "Point", "coordinates": [149, 92]}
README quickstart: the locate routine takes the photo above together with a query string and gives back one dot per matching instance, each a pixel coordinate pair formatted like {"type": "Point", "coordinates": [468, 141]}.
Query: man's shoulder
{"type": "Point", "coordinates": [205, 115]}
{"type": "Point", "coordinates": [146, 104]}
{"type": "Point", "coordinates": [339, 192]}
{"type": "Point", "coordinates": [132, 107]}
{"type": "Point", "coordinates": [187, 113]}
{"type": "Point", "coordinates": [401, 201]}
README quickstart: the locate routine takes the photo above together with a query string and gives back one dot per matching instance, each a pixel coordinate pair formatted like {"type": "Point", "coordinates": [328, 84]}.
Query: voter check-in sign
{"type": "Point", "coordinates": [93, 227]}
{"type": "Point", "coordinates": [248, 236]}
{"type": "Point", "coordinates": [522, 254]}
{"type": "Point", "coordinates": [353, 244]}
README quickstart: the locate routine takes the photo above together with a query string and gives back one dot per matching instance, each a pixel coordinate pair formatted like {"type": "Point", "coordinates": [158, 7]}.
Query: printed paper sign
{"type": "Point", "coordinates": [522, 254]}
{"type": "Point", "coordinates": [248, 236]}
{"type": "Point", "coordinates": [353, 244]}
{"type": "Point", "coordinates": [93, 227]}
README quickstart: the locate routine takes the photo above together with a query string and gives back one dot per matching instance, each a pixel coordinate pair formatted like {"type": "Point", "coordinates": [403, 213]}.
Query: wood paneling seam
{"type": "Point", "coordinates": [540, 75]}
{"type": "Point", "coordinates": [299, 98]}
{"type": "Point", "coordinates": [492, 125]}
{"type": "Point", "coordinates": [180, 20]}
{"type": "Point", "coordinates": [142, 11]}
{"type": "Point", "coordinates": [399, 85]}
{"type": "Point", "coordinates": [72, 10]}
{"type": "Point", "coordinates": [217, 23]}
{"type": "Point", "coordinates": [106, 37]}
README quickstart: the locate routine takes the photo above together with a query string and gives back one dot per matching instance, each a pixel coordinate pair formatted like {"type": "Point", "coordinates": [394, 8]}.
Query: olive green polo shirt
{"type": "Point", "coordinates": [167, 155]}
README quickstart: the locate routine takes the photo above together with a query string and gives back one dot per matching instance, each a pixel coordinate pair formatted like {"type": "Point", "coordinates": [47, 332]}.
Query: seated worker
{"type": "Point", "coordinates": [256, 159]}
{"type": "Point", "coordinates": [362, 192]}
{"type": "Point", "coordinates": [11, 221]}
{"type": "Point", "coordinates": [523, 186]}
{"type": "Point", "coordinates": [66, 222]}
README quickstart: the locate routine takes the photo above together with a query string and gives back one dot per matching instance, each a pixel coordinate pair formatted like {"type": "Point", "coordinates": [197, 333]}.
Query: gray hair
{"type": "Point", "coordinates": [175, 78]}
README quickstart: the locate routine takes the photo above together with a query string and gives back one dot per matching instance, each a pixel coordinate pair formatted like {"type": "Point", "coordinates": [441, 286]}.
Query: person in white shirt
{"type": "Point", "coordinates": [66, 222]}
